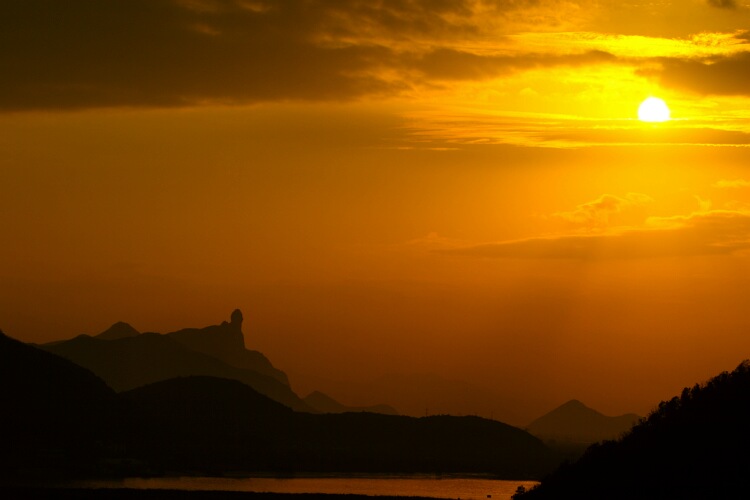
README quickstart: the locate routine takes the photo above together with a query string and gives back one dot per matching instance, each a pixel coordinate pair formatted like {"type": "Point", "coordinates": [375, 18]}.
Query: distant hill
{"type": "Point", "coordinates": [575, 422]}
{"type": "Point", "coordinates": [125, 360]}
{"type": "Point", "coordinates": [420, 394]}
{"type": "Point", "coordinates": [119, 330]}
{"type": "Point", "coordinates": [326, 404]}
{"type": "Point", "coordinates": [694, 446]}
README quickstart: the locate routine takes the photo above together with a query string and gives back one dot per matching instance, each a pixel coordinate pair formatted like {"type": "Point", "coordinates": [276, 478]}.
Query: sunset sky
{"type": "Point", "coordinates": [457, 188]}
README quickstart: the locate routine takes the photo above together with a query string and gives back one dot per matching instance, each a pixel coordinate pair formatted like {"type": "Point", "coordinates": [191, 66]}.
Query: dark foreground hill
{"type": "Point", "coordinates": [61, 421]}
{"type": "Point", "coordinates": [55, 416]}
{"type": "Point", "coordinates": [694, 446]}
{"type": "Point", "coordinates": [41, 493]}
{"type": "Point", "coordinates": [326, 404]}
{"type": "Point", "coordinates": [191, 418]}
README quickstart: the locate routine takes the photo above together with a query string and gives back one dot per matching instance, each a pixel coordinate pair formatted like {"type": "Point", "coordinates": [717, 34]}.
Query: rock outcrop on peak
{"type": "Point", "coordinates": [236, 319]}
{"type": "Point", "coordinates": [226, 342]}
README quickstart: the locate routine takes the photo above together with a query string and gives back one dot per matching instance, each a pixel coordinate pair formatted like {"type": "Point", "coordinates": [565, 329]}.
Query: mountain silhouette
{"type": "Point", "coordinates": [60, 421]}
{"type": "Point", "coordinates": [128, 361]}
{"type": "Point", "coordinates": [419, 394]}
{"type": "Point", "coordinates": [227, 343]}
{"type": "Point", "coordinates": [575, 422]}
{"type": "Point", "coordinates": [326, 404]}
{"type": "Point", "coordinates": [694, 446]}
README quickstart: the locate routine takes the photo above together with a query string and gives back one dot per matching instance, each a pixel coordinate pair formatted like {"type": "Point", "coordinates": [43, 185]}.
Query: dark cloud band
{"type": "Point", "coordinates": [162, 53]}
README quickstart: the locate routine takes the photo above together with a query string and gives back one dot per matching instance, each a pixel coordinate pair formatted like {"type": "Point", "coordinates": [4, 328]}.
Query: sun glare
{"type": "Point", "coordinates": [653, 110]}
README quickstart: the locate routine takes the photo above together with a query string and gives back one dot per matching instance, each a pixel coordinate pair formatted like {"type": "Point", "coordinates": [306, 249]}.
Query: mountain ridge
{"type": "Point", "coordinates": [258, 433]}
{"type": "Point", "coordinates": [213, 426]}
{"type": "Point", "coordinates": [226, 342]}
{"type": "Point", "coordinates": [419, 394]}
{"type": "Point", "coordinates": [126, 361]}
{"type": "Point", "coordinates": [326, 404]}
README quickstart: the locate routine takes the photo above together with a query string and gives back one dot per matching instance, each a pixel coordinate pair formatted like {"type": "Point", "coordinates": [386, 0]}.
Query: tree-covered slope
{"type": "Point", "coordinates": [696, 445]}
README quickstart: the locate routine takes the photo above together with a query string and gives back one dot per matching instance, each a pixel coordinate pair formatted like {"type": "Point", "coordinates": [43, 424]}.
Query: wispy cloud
{"type": "Point", "coordinates": [598, 214]}
{"type": "Point", "coordinates": [723, 4]}
{"type": "Point", "coordinates": [716, 232]}
{"type": "Point", "coordinates": [450, 64]}
{"type": "Point", "coordinates": [636, 47]}
{"type": "Point", "coordinates": [716, 75]}
{"type": "Point", "coordinates": [560, 131]}
{"type": "Point", "coordinates": [729, 184]}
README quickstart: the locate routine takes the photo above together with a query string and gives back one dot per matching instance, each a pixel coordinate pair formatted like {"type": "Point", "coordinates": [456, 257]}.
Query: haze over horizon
{"type": "Point", "coordinates": [461, 189]}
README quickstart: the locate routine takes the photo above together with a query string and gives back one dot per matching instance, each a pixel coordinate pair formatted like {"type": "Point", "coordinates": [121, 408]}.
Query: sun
{"type": "Point", "coordinates": [653, 109]}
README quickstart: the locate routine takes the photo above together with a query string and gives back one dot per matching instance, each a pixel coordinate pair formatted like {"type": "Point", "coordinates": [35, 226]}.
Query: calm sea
{"type": "Point", "coordinates": [428, 486]}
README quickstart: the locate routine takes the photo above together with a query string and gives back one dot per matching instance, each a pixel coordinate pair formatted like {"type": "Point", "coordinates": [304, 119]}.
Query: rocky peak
{"type": "Point", "coordinates": [236, 319]}
{"type": "Point", "coordinates": [217, 340]}
{"type": "Point", "coordinates": [119, 330]}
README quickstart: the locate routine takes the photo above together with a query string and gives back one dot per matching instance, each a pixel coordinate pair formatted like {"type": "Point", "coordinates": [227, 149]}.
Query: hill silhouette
{"type": "Point", "coordinates": [55, 415]}
{"type": "Point", "coordinates": [207, 424]}
{"type": "Point", "coordinates": [437, 444]}
{"type": "Point", "coordinates": [126, 361]}
{"type": "Point", "coordinates": [690, 447]}
{"type": "Point", "coordinates": [189, 419]}
{"type": "Point", "coordinates": [575, 422]}
{"type": "Point", "coordinates": [419, 394]}
{"type": "Point", "coordinates": [326, 404]}
{"type": "Point", "coordinates": [62, 422]}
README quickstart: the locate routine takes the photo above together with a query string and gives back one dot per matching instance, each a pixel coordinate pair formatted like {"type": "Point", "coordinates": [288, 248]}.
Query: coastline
{"type": "Point", "coordinates": [56, 493]}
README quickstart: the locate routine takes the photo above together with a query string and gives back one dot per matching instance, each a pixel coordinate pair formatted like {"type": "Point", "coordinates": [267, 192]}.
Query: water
{"type": "Point", "coordinates": [427, 486]}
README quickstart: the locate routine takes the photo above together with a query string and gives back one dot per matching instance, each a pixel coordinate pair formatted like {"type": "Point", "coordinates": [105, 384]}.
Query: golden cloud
{"type": "Point", "coordinates": [729, 184]}
{"type": "Point", "coordinates": [717, 232]}
{"type": "Point", "coordinates": [597, 214]}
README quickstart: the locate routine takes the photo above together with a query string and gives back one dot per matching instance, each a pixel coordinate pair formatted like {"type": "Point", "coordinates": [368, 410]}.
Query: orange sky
{"type": "Point", "coordinates": [458, 188]}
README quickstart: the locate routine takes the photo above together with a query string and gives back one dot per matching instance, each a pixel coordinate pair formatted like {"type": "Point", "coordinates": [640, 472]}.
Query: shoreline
{"type": "Point", "coordinates": [77, 493]}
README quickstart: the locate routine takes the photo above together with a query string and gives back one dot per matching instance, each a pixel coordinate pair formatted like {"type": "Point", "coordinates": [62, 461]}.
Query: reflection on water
{"type": "Point", "coordinates": [427, 486]}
